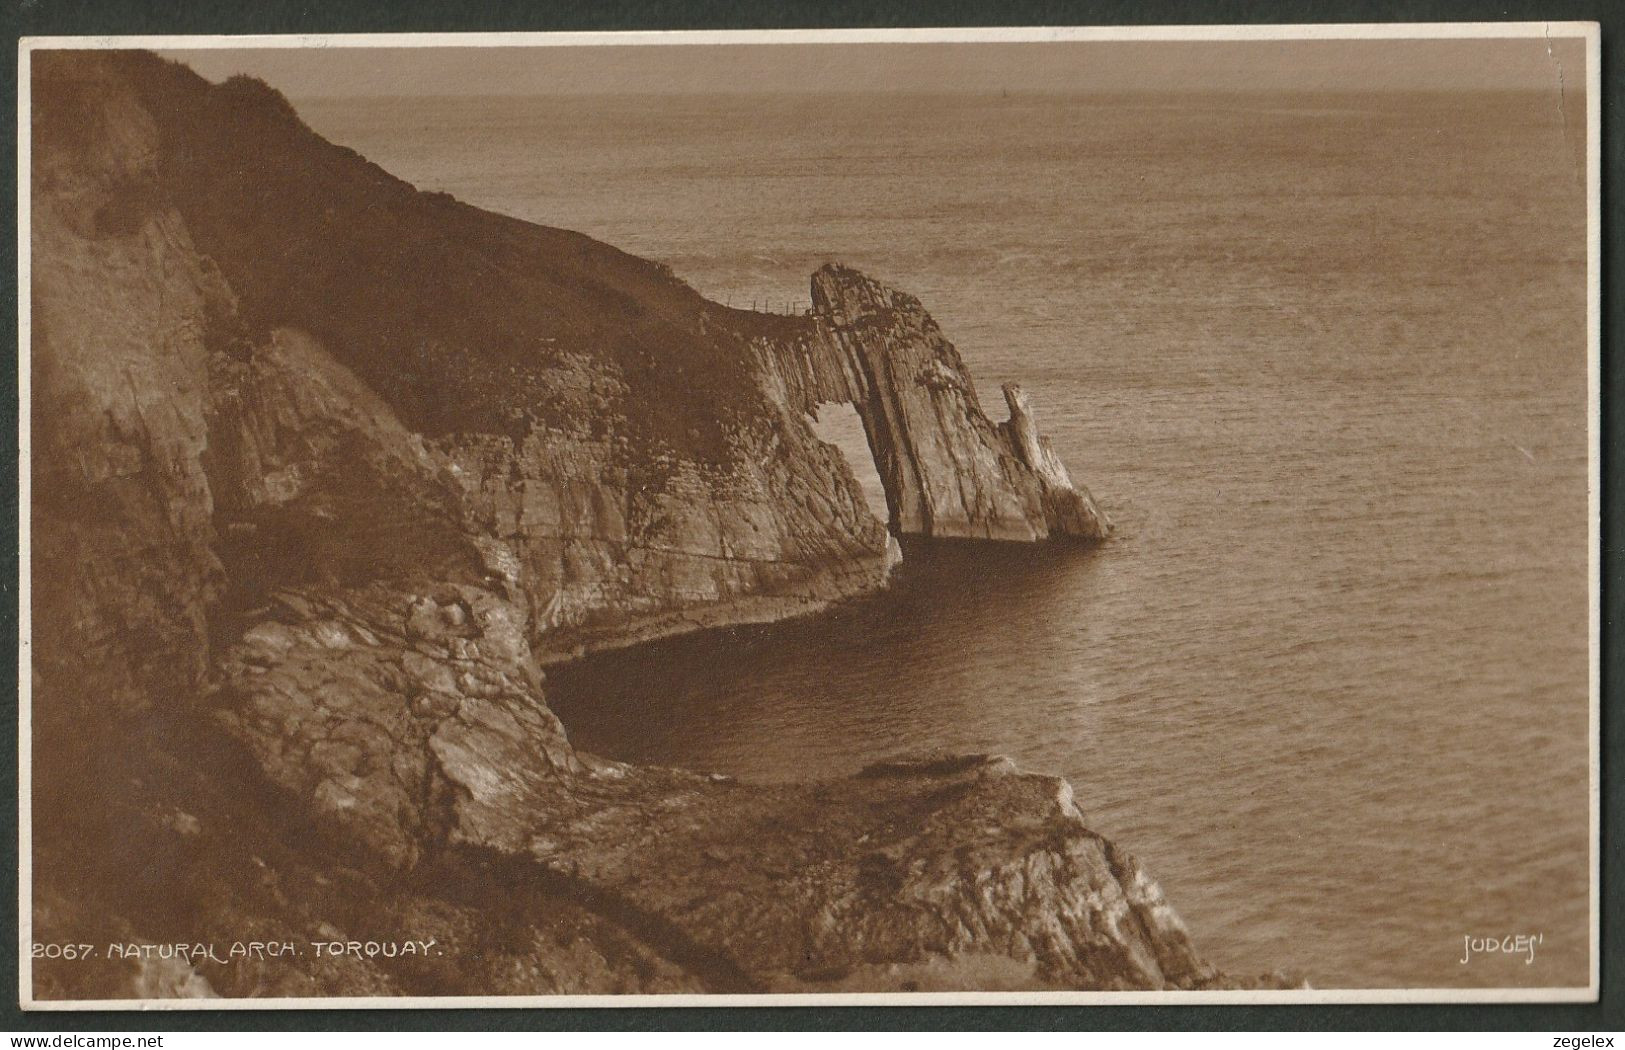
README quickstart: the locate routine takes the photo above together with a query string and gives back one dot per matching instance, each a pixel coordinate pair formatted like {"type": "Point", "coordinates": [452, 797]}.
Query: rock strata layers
{"type": "Point", "coordinates": [326, 471]}
{"type": "Point", "coordinates": [948, 471]}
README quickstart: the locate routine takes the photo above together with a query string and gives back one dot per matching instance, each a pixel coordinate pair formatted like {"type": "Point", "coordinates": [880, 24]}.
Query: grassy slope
{"type": "Point", "coordinates": [452, 314]}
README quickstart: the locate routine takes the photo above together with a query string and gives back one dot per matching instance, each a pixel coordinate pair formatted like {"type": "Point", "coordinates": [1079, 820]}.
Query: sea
{"type": "Point", "coordinates": [1323, 360]}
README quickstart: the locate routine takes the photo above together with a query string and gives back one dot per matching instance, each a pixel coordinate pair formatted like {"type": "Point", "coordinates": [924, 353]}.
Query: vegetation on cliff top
{"type": "Point", "coordinates": [312, 235]}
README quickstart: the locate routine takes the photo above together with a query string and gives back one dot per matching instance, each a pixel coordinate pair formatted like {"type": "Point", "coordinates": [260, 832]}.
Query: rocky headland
{"type": "Point", "coordinates": [325, 470]}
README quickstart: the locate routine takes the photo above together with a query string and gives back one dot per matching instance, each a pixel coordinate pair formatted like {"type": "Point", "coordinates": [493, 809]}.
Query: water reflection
{"type": "Point", "coordinates": [880, 674]}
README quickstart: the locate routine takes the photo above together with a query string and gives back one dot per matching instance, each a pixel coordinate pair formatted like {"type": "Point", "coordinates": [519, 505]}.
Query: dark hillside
{"type": "Point", "coordinates": [312, 235]}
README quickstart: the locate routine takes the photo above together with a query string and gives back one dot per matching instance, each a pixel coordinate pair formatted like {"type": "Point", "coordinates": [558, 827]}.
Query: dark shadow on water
{"type": "Point", "coordinates": [820, 695]}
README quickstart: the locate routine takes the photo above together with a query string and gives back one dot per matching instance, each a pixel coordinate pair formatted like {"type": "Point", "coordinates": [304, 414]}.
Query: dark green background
{"type": "Point", "coordinates": [99, 17]}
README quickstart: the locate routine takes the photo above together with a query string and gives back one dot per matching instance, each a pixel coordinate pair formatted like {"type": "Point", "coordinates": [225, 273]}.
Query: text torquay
{"type": "Point", "coordinates": [243, 951]}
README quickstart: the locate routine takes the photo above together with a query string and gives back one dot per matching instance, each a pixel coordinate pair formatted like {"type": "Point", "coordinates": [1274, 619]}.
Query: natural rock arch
{"type": "Point", "coordinates": [947, 469]}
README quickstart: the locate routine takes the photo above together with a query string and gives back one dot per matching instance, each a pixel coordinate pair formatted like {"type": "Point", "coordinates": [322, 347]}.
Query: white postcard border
{"type": "Point", "coordinates": [1589, 31]}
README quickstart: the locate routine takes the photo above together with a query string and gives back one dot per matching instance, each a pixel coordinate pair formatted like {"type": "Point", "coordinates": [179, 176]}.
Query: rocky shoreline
{"type": "Point", "coordinates": [326, 469]}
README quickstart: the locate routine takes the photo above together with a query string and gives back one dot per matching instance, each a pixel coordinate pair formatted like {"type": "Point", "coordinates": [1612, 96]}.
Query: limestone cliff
{"type": "Point", "coordinates": [948, 471]}
{"type": "Point", "coordinates": [325, 469]}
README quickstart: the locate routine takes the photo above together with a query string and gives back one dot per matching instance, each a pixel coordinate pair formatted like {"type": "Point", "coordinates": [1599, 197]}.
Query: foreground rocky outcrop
{"type": "Point", "coordinates": [325, 470]}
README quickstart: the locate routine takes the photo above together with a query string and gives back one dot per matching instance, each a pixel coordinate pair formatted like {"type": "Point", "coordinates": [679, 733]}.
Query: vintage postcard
{"type": "Point", "coordinates": [828, 517]}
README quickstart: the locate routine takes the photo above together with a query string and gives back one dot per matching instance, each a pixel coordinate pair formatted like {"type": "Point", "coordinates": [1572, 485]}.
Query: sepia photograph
{"type": "Point", "coordinates": [821, 517]}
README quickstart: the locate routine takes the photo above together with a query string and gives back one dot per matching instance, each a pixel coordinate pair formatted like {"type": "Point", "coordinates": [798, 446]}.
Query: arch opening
{"type": "Point", "coordinates": [838, 423]}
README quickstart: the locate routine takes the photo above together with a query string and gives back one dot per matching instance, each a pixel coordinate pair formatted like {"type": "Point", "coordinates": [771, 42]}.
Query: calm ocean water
{"type": "Point", "coordinates": [1323, 361]}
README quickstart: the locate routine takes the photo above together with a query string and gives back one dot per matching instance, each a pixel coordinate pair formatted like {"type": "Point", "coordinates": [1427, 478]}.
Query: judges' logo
{"type": "Point", "coordinates": [1512, 944]}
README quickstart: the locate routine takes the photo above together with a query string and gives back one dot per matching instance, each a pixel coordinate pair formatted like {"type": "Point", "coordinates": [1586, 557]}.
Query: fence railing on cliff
{"type": "Point", "coordinates": [789, 307]}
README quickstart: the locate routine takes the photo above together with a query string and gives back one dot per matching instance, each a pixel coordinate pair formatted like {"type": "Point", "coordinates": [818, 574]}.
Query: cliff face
{"type": "Point", "coordinates": [324, 471]}
{"type": "Point", "coordinates": [538, 369]}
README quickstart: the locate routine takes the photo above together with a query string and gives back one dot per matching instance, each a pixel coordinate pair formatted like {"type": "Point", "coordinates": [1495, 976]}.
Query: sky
{"type": "Point", "coordinates": [1100, 66]}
